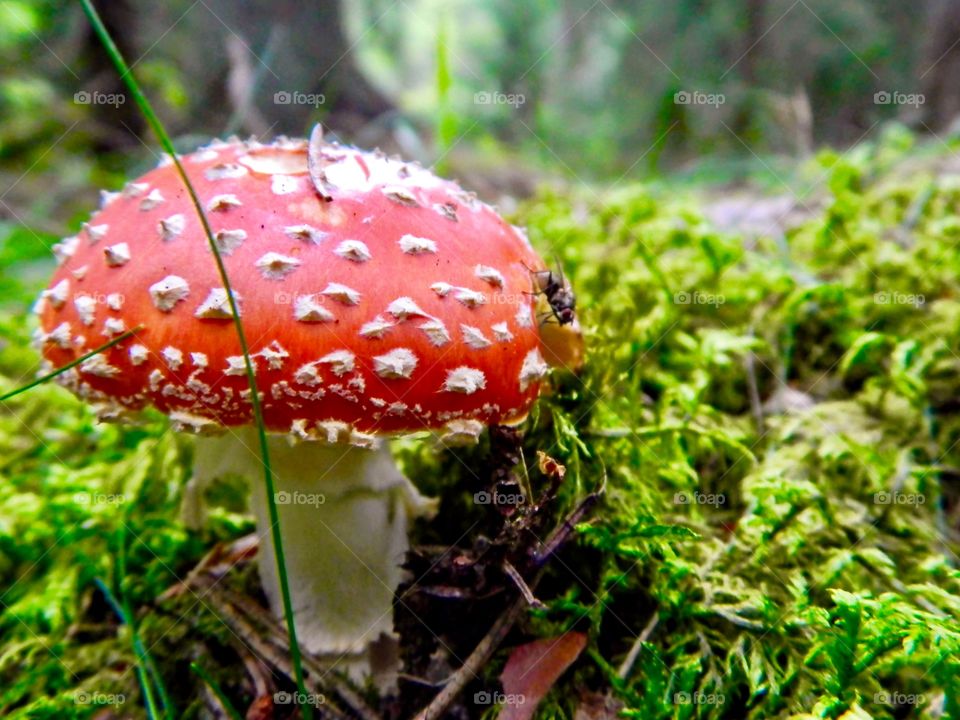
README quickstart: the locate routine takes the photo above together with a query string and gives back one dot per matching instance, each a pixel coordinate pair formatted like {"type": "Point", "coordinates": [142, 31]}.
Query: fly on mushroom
{"type": "Point", "coordinates": [558, 294]}
{"type": "Point", "coordinates": [561, 338]}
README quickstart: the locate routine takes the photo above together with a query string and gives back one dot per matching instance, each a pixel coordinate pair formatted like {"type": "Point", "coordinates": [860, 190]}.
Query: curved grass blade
{"type": "Point", "coordinates": [49, 376]}
{"type": "Point", "coordinates": [142, 654]}
{"type": "Point", "coordinates": [147, 110]}
{"type": "Point", "coordinates": [217, 690]}
{"type": "Point", "coordinates": [142, 676]}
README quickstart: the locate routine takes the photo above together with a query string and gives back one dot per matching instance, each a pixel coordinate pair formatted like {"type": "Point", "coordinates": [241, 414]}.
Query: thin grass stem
{"type": "Point", "coordinates": [147, 110]}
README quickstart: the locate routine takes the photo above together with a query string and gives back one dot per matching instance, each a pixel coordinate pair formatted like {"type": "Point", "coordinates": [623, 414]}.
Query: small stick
{"type": "Point", "coordinates": [213, 565]}
{"type": "Point", "coordinates": [249, 620]}
{"type": "Point", "coordinates": [258, 671]}
{"type": "Point", "coordinates": [753, 390]}
{"type": "Point", "coordinates": [491, 641]}
{"type": "Point", "coordinates": [624, 672]}
{"type": "Point", "coordinates": [521, 584]}
{"type": "Point", "coordinates": [317, 668]}
{"type": "Point", "coordinates": [478, 658]}
{"type": "Point", "coordinates": [562, 533]}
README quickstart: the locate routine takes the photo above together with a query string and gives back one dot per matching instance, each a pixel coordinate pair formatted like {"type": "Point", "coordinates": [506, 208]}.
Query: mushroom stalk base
{"type": "Point", "coordinates": [344, 516]}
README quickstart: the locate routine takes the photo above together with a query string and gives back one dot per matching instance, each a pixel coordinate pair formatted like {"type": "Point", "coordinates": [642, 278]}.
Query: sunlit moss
{"type": "Point", "coordinates": [802, 565]}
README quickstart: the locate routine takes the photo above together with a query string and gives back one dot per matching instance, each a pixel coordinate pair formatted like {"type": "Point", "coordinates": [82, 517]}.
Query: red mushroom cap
{"type": "Point", "coordinates": [375, 297]}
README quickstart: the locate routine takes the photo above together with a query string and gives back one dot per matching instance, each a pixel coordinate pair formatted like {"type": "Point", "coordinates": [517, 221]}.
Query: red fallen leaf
{"type": "Point", "coordinates": [261, 709]}
{"type": "Point", "coordinates": [533, 669]}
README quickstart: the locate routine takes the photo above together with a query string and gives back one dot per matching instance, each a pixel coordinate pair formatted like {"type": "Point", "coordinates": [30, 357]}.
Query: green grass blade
{"type": "Point", "coordinates": [143, 655]}
{"type": "Point", "coordinates": [217, 690]}
{"type": "Point", "coordinates": [447, 118]}
{"type": "Point", "coordinates": [49, 376]}
{"type": "Point", "coordinates": [142, 676]}
{"type": "Point", "coordinates": [144, 105]}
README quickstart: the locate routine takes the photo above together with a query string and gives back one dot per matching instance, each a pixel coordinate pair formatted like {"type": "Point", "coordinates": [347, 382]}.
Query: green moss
{"type": "Point", "coordinates": [825, 580]}
{"type": "Point", "coordinates": [804, 567]}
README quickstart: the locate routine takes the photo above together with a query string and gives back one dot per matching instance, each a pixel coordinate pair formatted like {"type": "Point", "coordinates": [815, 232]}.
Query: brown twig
{"type": "Point", "coordinates": [478, 658]}
{"type": "Point", "coordinates": [753, 390]}
{"type": "Point", "coordinates": [264, 635]}
{"type": "Point", "coordinates": [627, 665]}
{"type": "Point", "coordinates": [491, 641]}
{"type": "Point", "coordinates": [521, 584]}
{"type": "Point", "coordinates": [563, 532]}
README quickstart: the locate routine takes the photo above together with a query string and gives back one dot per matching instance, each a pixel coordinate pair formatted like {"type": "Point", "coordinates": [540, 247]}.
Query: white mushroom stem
{"type": "Point", "coordinates": [344, 516]}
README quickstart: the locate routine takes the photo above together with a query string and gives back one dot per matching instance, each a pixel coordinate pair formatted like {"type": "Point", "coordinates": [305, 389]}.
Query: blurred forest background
{"type": "Point", "coordinates": [500, 94]}
{"type": "Point", "coordinates": [772, 312]}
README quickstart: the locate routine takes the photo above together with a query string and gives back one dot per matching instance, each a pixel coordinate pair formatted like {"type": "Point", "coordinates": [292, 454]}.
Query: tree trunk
{"type": "Point", "coordinates": [250, 68]}
{"type": "Point", "coordinates": [939, 69]}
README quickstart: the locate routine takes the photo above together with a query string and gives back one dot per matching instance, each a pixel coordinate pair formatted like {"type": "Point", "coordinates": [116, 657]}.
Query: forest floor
{"type": "Point", "coordinates": [769, 401]}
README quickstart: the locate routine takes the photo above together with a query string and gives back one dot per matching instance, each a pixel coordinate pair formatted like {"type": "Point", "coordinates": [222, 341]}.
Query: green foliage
{"type": "Point", "coordinates": [599, 81]}
{"type": "Point", "coordinates": [774, 418]}
{"type": "Point", "coordinates": [807, 568]}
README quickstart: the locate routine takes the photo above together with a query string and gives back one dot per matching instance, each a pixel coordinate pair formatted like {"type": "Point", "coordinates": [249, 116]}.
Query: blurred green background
{"type": "Point", "coordinates": [501, 94]}
{"type": "Point", "coordinates": [756, 202]}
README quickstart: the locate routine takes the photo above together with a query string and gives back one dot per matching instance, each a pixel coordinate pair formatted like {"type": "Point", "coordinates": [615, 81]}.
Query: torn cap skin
{"type": "Point", "coordinates": [378, 299]}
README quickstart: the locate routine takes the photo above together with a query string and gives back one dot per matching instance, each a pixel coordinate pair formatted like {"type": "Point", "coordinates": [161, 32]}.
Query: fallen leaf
{"type": "Point", "coordinates": [261, 709]}
{"type": "Point", "coordinates": [533, 669]}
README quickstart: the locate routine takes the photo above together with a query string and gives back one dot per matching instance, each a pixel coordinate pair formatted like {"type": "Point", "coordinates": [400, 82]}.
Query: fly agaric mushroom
{"type": "Point", "coordinates": [378, 299]}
